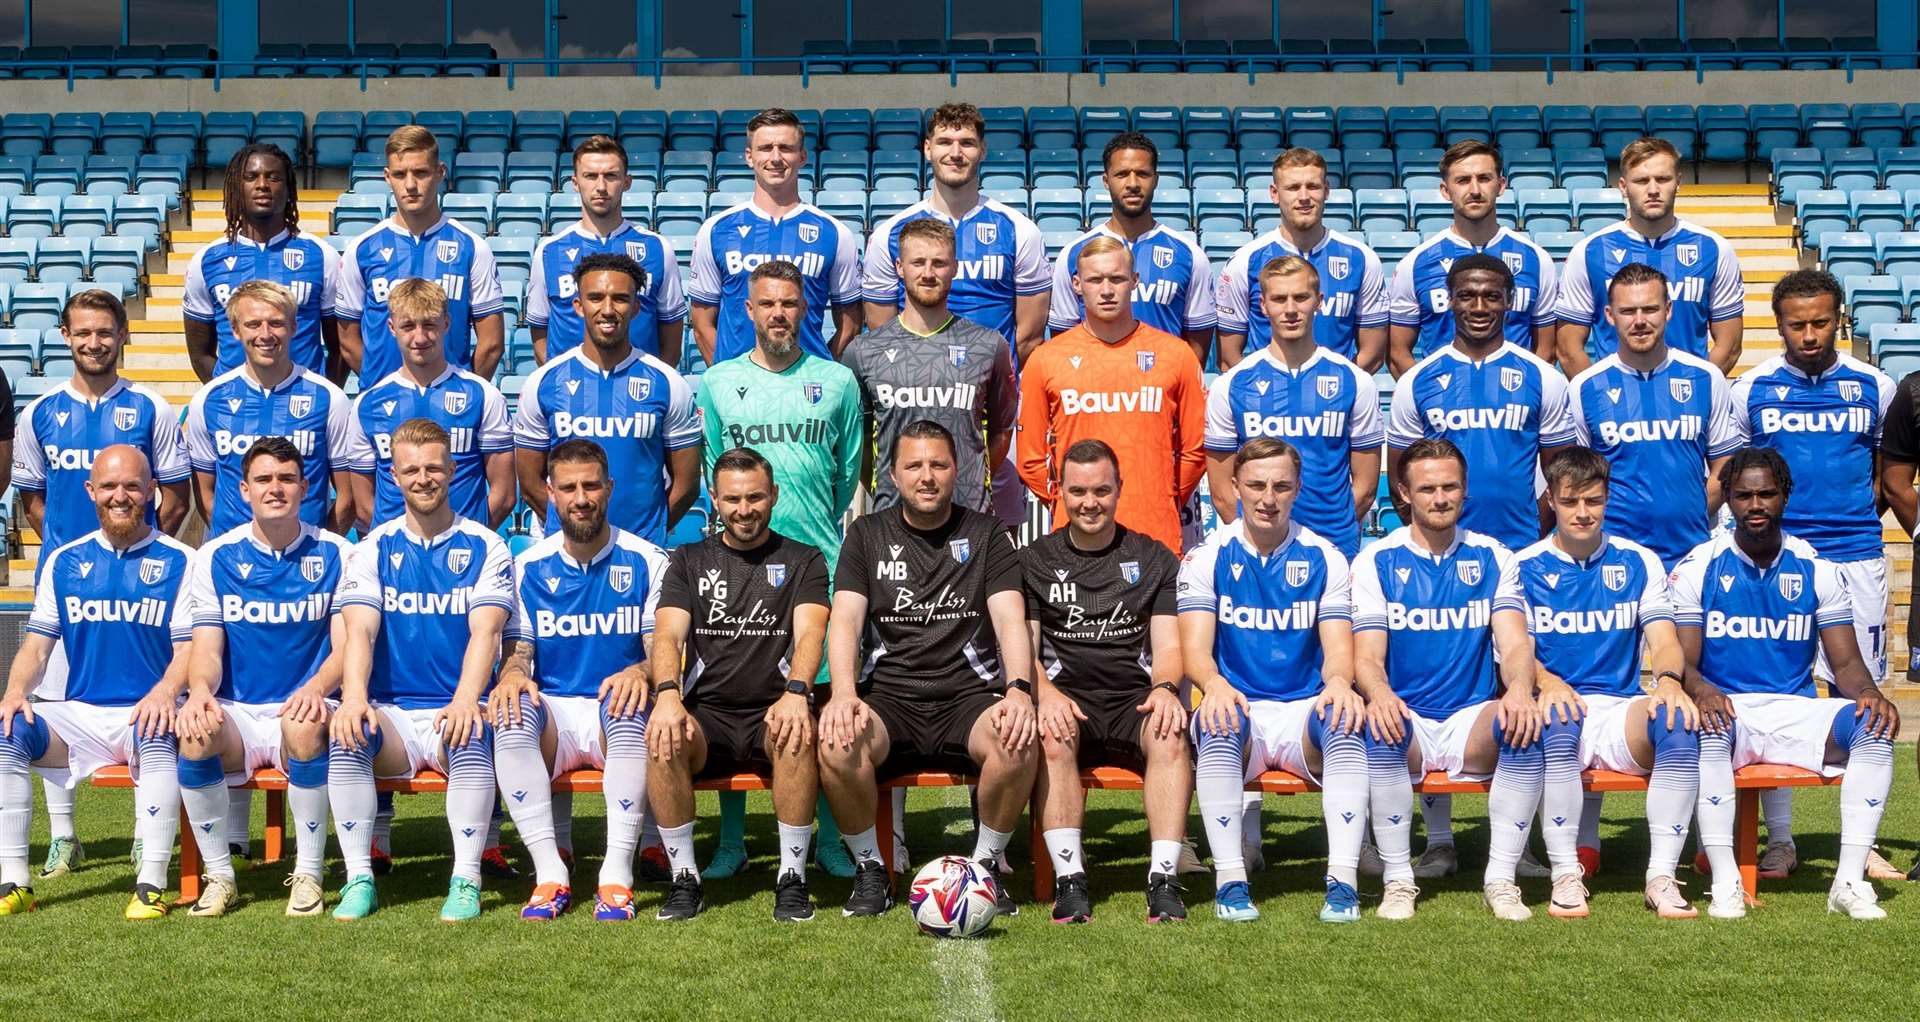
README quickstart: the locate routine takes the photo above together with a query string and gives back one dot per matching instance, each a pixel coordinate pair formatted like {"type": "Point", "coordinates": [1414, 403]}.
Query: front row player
{"type": "Point", "coordinates": [738, 637]}
{"type": "Point", "coordinates": [934, 590]}
{"type": "Point", "coordinates": [1439, 626]}
{"type": "Point", "coordinates": [573, 685]}
{"type": "Point", "coordinates": [1100, 602]}
{"type": "Point", "coordinates": [1267, 634]}
{"type": "Point", "coordinates": [263, 662]}
{"type": "Point", "coordinates": [108, 598]}
{"type": "Point", "coordinates": [1594, 601]}
{"type": "Point", "coordinates": [1754, 607]}
{"type": "Point", "coordinates": [425, 598]}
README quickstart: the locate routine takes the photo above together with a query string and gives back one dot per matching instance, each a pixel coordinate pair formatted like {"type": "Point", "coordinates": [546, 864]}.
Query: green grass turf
{"type": "Point", "coordinates": [77, 959]}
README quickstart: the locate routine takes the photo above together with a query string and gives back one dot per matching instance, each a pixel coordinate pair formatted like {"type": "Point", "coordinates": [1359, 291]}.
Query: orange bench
{"type": "Point", "coordinates": [1748, 782]}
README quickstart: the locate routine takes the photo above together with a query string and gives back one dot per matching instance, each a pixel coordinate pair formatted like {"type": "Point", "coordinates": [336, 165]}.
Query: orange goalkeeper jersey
{"type": "Point", "coordinates": [1143, 396]}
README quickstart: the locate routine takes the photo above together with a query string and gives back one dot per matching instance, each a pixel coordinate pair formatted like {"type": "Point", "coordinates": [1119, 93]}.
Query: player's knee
{"type": "Point", "coordinates": [1166, 750]}
{"type": "Point", "coordinates": [1670, 737]}
{"type": "Point", "coordinates": [304, 738]}
{"type": "Point", "coordinates": [1561, 737]}
{"type": "Point", "coordinates": [27, 741]}
{"type": "Point", "coordinates": [1059, 755]}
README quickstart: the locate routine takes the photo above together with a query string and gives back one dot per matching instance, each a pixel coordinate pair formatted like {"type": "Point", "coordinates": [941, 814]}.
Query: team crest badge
{"type": "Point", "coordinates": [813, 391]}
{"type": "Point", "coordinates": [1514, 261]}
{"type": "Point", "coordinates": [1145, 360]}
{"type": "Point", "coordinates": [961, 550]}
{"type": "Point", "coordinates": [300, 405]}
{"type": "Point", "coordinates": [776, 575]}
{"type": "Point", "coordinates": [1327, 387]}
{"type": "Point", "coordinates": [1337, 266]}
{"type": "Point", "coordinates": [1511, 379]}
{"type": "Point", "coordinates": [311, 568]}
{"type": "Point", "coordinates": [1130, 571]}
{"type": "Point", "coordinates": [446, 251]}
{"type": "Point", "coordinates": [956, 355]}
{"type": "Point", "coordinates": [636, 250]}
{"type": "Point", "coordinates": [152, 570]}
{"type": "Point", "coordinates": [986, 234]}
{"type": "Point", "coordinates": [809, 233]}
{"type": "Point", "coordinates": [458, 560]}
{"type": "Point", "coordinates": [293, 258]}
{"type": "Point", "coordinates": [1163, 257]}
{"type": "Point", "coordinates": [620, 577]}
{"type": "Point", "coordinates": [639, 388]}
{"type": "Point", "coordinates": [1688, 254]}
{"type": "Point", "coordinates": [125, 418]}
{"type": "Point", "coordinates": [1849, 390]}
{"type": "Point", "coordinates": [454, 402]}
{"type": "Point", "coordinates": [1468, 572]}
{"type": "Point", "coordinates": [1615, 576]}
{"type": "Point", "coordinates": [1296, 573]}
{"type": "Point", "coordinates": [1682, 390]}
{"type": "Point", "coordinates": [1790, 585]}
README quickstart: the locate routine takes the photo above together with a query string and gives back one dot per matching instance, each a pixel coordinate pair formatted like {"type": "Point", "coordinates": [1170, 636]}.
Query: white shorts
{"type": "Point", "coordinates": [1866, 584]}
{"type": "Point", "coordinates": [576, 725]}
{"type": "Point", "coordinates": [96, 737]}
{"type": "Point", "coordinates": [1785, 730]}
{"type": "Point", "coordinates": [258, 725]}
{"type": "Point", "coordinates": [1278, 736]}
{"type": "Point", "coordinates": [1443, 743]}
{"type": "Point", "coordinates": [53, 683]}
{"type": "Point", "coordinates": [414, 730]}
{"type": "Point", "coordinates": [1603, 735]}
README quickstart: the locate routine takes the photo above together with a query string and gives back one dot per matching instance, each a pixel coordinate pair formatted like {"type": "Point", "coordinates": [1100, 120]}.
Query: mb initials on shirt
{"type": "Point", "coordinates": [1150, 400]}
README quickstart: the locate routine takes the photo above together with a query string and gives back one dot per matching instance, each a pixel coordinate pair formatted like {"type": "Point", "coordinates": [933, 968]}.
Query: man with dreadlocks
{"type": "Point", "coordinates": [263, 241]}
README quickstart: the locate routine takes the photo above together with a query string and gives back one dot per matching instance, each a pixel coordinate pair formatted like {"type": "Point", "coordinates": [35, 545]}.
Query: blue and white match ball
{"type": "Point", "coordinates": [952, 896]}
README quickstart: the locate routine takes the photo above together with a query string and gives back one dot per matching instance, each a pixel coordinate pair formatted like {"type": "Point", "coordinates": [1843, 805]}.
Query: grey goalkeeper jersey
{"type": "Point", "coordinates": [960, 377]}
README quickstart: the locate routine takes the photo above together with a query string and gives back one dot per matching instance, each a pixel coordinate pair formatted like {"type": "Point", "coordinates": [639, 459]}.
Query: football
{"type": "Point", "coordinates": [952, 897]}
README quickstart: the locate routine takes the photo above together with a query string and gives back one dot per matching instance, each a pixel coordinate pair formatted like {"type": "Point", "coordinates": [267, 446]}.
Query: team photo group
{"type": "Point", "coordinates": [968, 509]}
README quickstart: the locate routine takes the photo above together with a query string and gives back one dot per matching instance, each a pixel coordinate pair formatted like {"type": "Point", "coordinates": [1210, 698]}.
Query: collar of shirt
{"type": "Point", "coordinates": [1273, 359]}
{"type": "Point", "coordinates": [100, 537]}
{"type": "Point", "coordinates": [400, 377]}
{"type": "Point", "coordinates": [119, 384]}
{"type": "Point", "coordinates": [580, 227]}
{"type": "Point", "coordinates": [393, 223]}
{"type": "Point", "coordinates": [1453, 352]}
{"type": "Point", "coordinates": [1286, 540]}
{"type": "Point", "coordinates": [253, 536]}
{"type": "Point", "coordinates": [1626, 228]}
{"type": "Point", "coordinates": [606, 549]}
{"type": "Point", "coordinates": [579, 354]}
{"type": "Point", "coordinates": [452, 530]}
{"type": "Point", "coordinates": [246, 375]}
{"type": "Point", "coordinates": [1419, 550]}
{"type": "Point", "coordinates": [1600, 552]}
{"type": "Point", "coordinates": [281, 238]}
{"type": "Point", "coordinates": [1649, 374]}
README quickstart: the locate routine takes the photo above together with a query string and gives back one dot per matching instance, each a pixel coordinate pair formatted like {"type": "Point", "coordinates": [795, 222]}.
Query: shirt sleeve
{"type": "Point", "coordinates": [1366, 427]}
{"type": "Point", "coordinates": [1556, 413]}
{"type": "Point", "coordinates": [1834, 607]}
{"type": "Point", "coordinates": [656, 559]}
{"type": "Point", "coordinates": [1577, 410]}
{"type": "Point", "coordinates": [849, 439]}
{"type": "Point", "coordinates": [881, 284]}
{"type": "Point", "coordinates": [1223, 434]}
{"type": "Point", "coordinates": [1575, 302]}
{"type": "Point", "coordinates": [683, 420]}
{"type": "Point", "coordinates": [1336, 600]}
{"type": "Point", "coordinates": [44, 619]}
{"type": "Point", "coordinates": [196, 299]}
{"type": "Point", "coordinates": [329, 278]}
{"type": "Point", "coordinates": [1369, 600]}
{"type": "Point", "coordinates": [529, 420]}
{"type": "Point", "coordinates": [196, 595]}
{"type": "Point", "coordinates": [812, 582]}
{"type": "Point", "coordinates": [534, 310]}
{"type": "Point", "coordinates": [1738, 420]}
{"type": "Point", "coordinates": [170, 463]}
{"type": "Point", "coordinates": [1033, 450]}
{"type": "Point", "coordinates": [711, 443]}
{"type": "Point", "coordinates": [675, 592]}
{"type": "Point", "coordinates": [1546, 301]}
{"type": "Point", "coordinates": [1230, 295]}
{"type": "Point", "coordinates": [1003, 563]}
{"type": "Point", "coordinates": [1165, 601]}
{"type": "Point", "coordinates": [1883, 393]}
{"type": "Point", "coordinates": [340, 430]}
{"type": "Point", "coordinates": [1190, 455]}
{"type": "Point", "coordinates": [29, 461]}
{"type": "Point", "coordinates": [1403, 306]}
{"type": "Point", "coordinates": [669, 297]}
{"type": "Point", "coordinates": [1898, 441]}
{"type": "Point", "coordinates": [1684, 590]}
{"type": "Point", "coordinates": [850, 575]}
{"type": "Point", "coordinates": [496, 434]}
{"type": "Point", "coordinates": [1063, 309]}
{"type": "Point", "coordinates": [1202, 314]}
{"type": "Point", "coordinates": [1507, 594]}
{"type": "Point", "coordinates": [520, 622]}
{"type": "Point", "coordinates": [1372, 308]}
{"type": "Point", "coordinates": [1723, 435]}
{"type": "Point", "coordinates": [845, 286]}
{"type": "Point", "coordinates": [350, 295]}
{"type": "Point", "coordinates": [483, 281]}
{"type": "Point", "coordinates": [494, 587]}
{"type": "Point", "coordinates": [1193, 587]}
{"type": "Point", "coordinates": [1031, 274]}
{"type": "Point", "coordinates": [703, 287]}
{"type": "Point", "coordinates": [1404, 426]}
{"type": "Point", "coordinates": [1656, 603]}
{"type": "Point", "coordinates": [8, 414]}
{"type": "Point", "coordinates": [360, 578]}
{"type": "Point", "coordinates": [1003, 394]}
{"type": "Point", "coordinates": [1727, 297]}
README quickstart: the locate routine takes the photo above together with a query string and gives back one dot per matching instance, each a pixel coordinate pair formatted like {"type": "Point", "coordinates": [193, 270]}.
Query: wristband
{"type": "Point", "coordinates": [796, 687]}
{"type": "Point", "coordinates": [1677, 679]}
{"type": "Point", "coordinates": [1172, 689]}
{"type": "Point", "coordinates": [666, 685]}
{"type": "Point", "coordinates": [1022, 685]}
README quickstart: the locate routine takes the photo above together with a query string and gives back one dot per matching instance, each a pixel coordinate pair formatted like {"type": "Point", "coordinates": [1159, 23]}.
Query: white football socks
{"type": "Point", "coordinates": [1561, 798]}
{"type": "Point", "coordinates": [1863, 800]}
{"type": "Point", "coordinates": [1716, 806]}
{"type": "Point", "coordinates": [59, 810]}
{"type": "Point", "coordinates": [863, 845]}
{"type": "Point", "coordinates": [471, 794]}
{"type": "Point", "coordinates": [521, 771]}
{"type": "Point", "coordinates": [156, 799]}
{"type": "Point", "coordinates": [624, 782]}
{"type": "Point", "coordinates": [1518, 777]}
{"type": "Point", "coordinates": [1343, 802]}
{"type": "Point", "coordinates": [1063, 847]}
{"type": "Point", "coordinates": [355, 804]}
{"type": "Point", "coordinates": [16, 814]}
{"type": "Point", "coordinates": [1219, 782]}
{"type": "Point", "coordinates": [795, 839]}
{"type": "Point", "coordinates": [679, 845]}
{"type": "Point", "coordinates": [1390, 805]}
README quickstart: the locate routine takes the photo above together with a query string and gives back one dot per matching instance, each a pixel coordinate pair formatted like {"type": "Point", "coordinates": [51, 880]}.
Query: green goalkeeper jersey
{"type": "Point", "coordinates": [807, 422]}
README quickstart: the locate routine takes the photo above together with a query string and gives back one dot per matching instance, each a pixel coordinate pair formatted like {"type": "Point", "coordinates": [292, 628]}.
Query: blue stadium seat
{"type": "Point", "coordinates": [1568, 127]}
{"type": "Point", "coordinates": [692, 130]}
{"type": "Point", "coordinates": [642, 131]}
{"type": "Point", "coordinates": [1900, 168]}
{"type": "Point", "coordinates": [86, 216]}
{"type": "Point", "coordinates": [33, 216]}
{"type": "Point", "coordinates": [1617, 126]}
{"type": "Point", "coordinates": [1448, 55]}
{"type": "Point", "coordinates": [842, 171]}
{"type": "Point", "coordinates": [1724, 136]}
{"type": "Point", "coordinates": [1808, 53]}
{"type": "Point", "coordinates": [679, 213]}
{"type": "Point", "coordinates": [1219, 210]}
{"type": "Point", "coordinates": [36, 306]}
{"type": "Point", "coordinates": [1059, 209]}
{"type": "Point", "coordinates": [1826, 125]}
{"type": "Point", "coordinates": [1848, 253]}
{"type": "Point", "coordinates": [1432, 212]}
{"type": "Point", "coordinates": [1518, 127]}
{"type": "Point", "coordinates": [1100, 123]}
{"type": "Point", "coordinates": [1874, 300]}
{"type": "Point", "coordinates": [474, 210]}
{"type": "Point", "coordinates": [584, 124]}
{"type": "Point", "coordinates": [1878, 125]}
{"type": "Point", "coordinates": [733, 130]}
{"type": "Point", "coordinates": [1774, 126]}
{"type": "Point", "coordinates": [1259, 127]}
{"type": "Point", "coordinates": [357, 212]}
{"type": "Point", "coordinates": [57, 175]}
{"type": "Point", "coordinates": [1613, 55]}
{"type": "Point", "coordinates": [1361, 127]}
{"type": "Point", "coordinates": [1350, 55]}
{"type": "Point", "coordinates": [226, 131]}
{"type": "Point", "coordinates": [1369, 169]}
{"type": "Point", "coordinates": [537, 172]}
{"type": "Point", "coordinates": [479, 173]}
{"type": "Point", "coordinates": [1161, 124]}
{"type": "Point", "coordinates": [1559, 244]}
{"type": "Point", "coordinates": [1207, 56]}
{"type": "Point", "coordinates": [1006, 127]}
{"type": "Point", "coordinates": [1381, 209]}
{"type": "Point", "coordinates": [19, 254]}
{"type": "Point", "coordinates": [1896, 348]}
{"type": "Point", "coordinates": [1392, 246]}
{"type": "Point", "coordinates": [521, 213]}
{"type": "Point", "coordinates": [125, 252]}
{"type": "Point", "coordinates": [1678, 124]}
{"type": "Point", "coordinates": [1053, 127]}
{"type": "Point", "coordinates": [1899, 252]}
{"type": "Point", "coordinates": [1174, 207]}
{"type": "Point", "coordinates": [64, 260]}
{"type": "Point", "coordinates": [1054, 168]}
{"type": "Point", "coordinates": [1207, 127]}
{"type": "Point", "coordinates": [1413, 127]}
{"type": "Point", "coordinates": [1794, 169]}
{"type": "Point", "coordinates": [1546, 209]}
{"type": "Point", "coordinates": [846, 130]}
{"type": "Point", "coordinates": [881, 205]}
{"type": "Point", "coordinates": [24, 134]}
{"type": "Point", "coordinates": [74, 133]}
{"type": "Point", "coordinates": [1530, 168]}
{"type": "Point", "coordinates": [1594, 208]}
{"type": "Point", "coordinates": [1854, 168]}
{"type": "Point", "coordinates": [849, 206]}
{"type": "Point", "coordinates": [1212, 168]}
{"type": "Point", "coordinates": [1821, 210]}
{"type": "Point", "coordinates": [140, 216]}
{"type": "Point", "coordinates": [109, 174]}
{"type": "Point", "coordinates": [1310, 127]}
{"type": "Point", "coordinates": [125, 134]}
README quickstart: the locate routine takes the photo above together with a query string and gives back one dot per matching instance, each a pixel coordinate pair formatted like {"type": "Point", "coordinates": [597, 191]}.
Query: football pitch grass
{"type": "Point", "coordinates": [76, 958]}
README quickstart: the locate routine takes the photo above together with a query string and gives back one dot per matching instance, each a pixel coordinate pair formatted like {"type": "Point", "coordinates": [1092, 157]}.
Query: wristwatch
{"type": "Point", "coordinates": [804, 690]}
{"type": "Point", "coordinates": [665, 685]}
{"type": "Point", "coordinates": [1021, 685]}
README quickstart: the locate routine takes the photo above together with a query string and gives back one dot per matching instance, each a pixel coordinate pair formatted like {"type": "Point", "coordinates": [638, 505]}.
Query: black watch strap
{"type": "Point", "coordinates": [665, 685]}
{"type": "Point", "coordinates": [1021, 685]}
{"type": "Point", "coordinates": [1171, 688]}
{"type": "Point", "coordinates": [797, 687]}
{"type": "Point", "coordinates": [1677, 679]}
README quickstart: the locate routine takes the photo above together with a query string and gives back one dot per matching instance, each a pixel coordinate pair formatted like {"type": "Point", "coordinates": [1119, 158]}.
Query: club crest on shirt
{"type": "Point", "coordinates": [813, 392]}
{"type": "Point", "coordinates": [300, 405]}
{"type": "Point", "coordinates": [1552, 579]}
{"type": "Point", "coordinates": [636, 250]}
{"type": "Point", "coordinates": [1468, 572]}
{"type": "Point", "coordinates": [1514, 261]}
{"type": "Point", "coordinates": [776, 575]}
{"type": "Point", "coordinates": [956, 355]}
{"type": "Point", "coordinates": [986, 234]}
{"type": "Point", "coordinates": [639, 388]}
{"type": "Point", "coordinates": [1511, 378]}
{"type": "Point", "coordinates": [1688, 254]}
{"type": "Point", "coordinates": [809, 233]}
{"type": "Point", "coordinates": [446, 251]}
{"type": "Point", "coordinates": [1849, 390]}
{"type": "Point", "coordinates": [1682, 390]}
{"type": "Point", "coordinates": [454, 402]}
{"type": "Point", "coordinates": [620, 577]}
{"type": "Point", "coordinates": [1297, 573]}
{"type": "Point", "coordinates": [125, 418]}
{"type": "Point", "coordinates": [1614, 576]}
{"type": "Point", "coordinates": [293, 258]}
{"type": "Point", "coordinates": [1791, 584]}
{"type": "Point", "coordinates": [1163, 257]}
{"type": "Point", "coordinates": [1337, 266]}
{"type": "Point", "coordinates": [152, 570]}
{"type": "Point", "coordinates": [458, 560]}
{"type": "Point", "coordinates": [1328, 387]}
{"type": "Point", "coordinates": [312, 567]}
{"type": "Point", "coordinates": [1145, 360]}
{"type": "Point", "coordinates": [961, 550]}
{"type": "Point", "coordinates": [1129, 571]}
